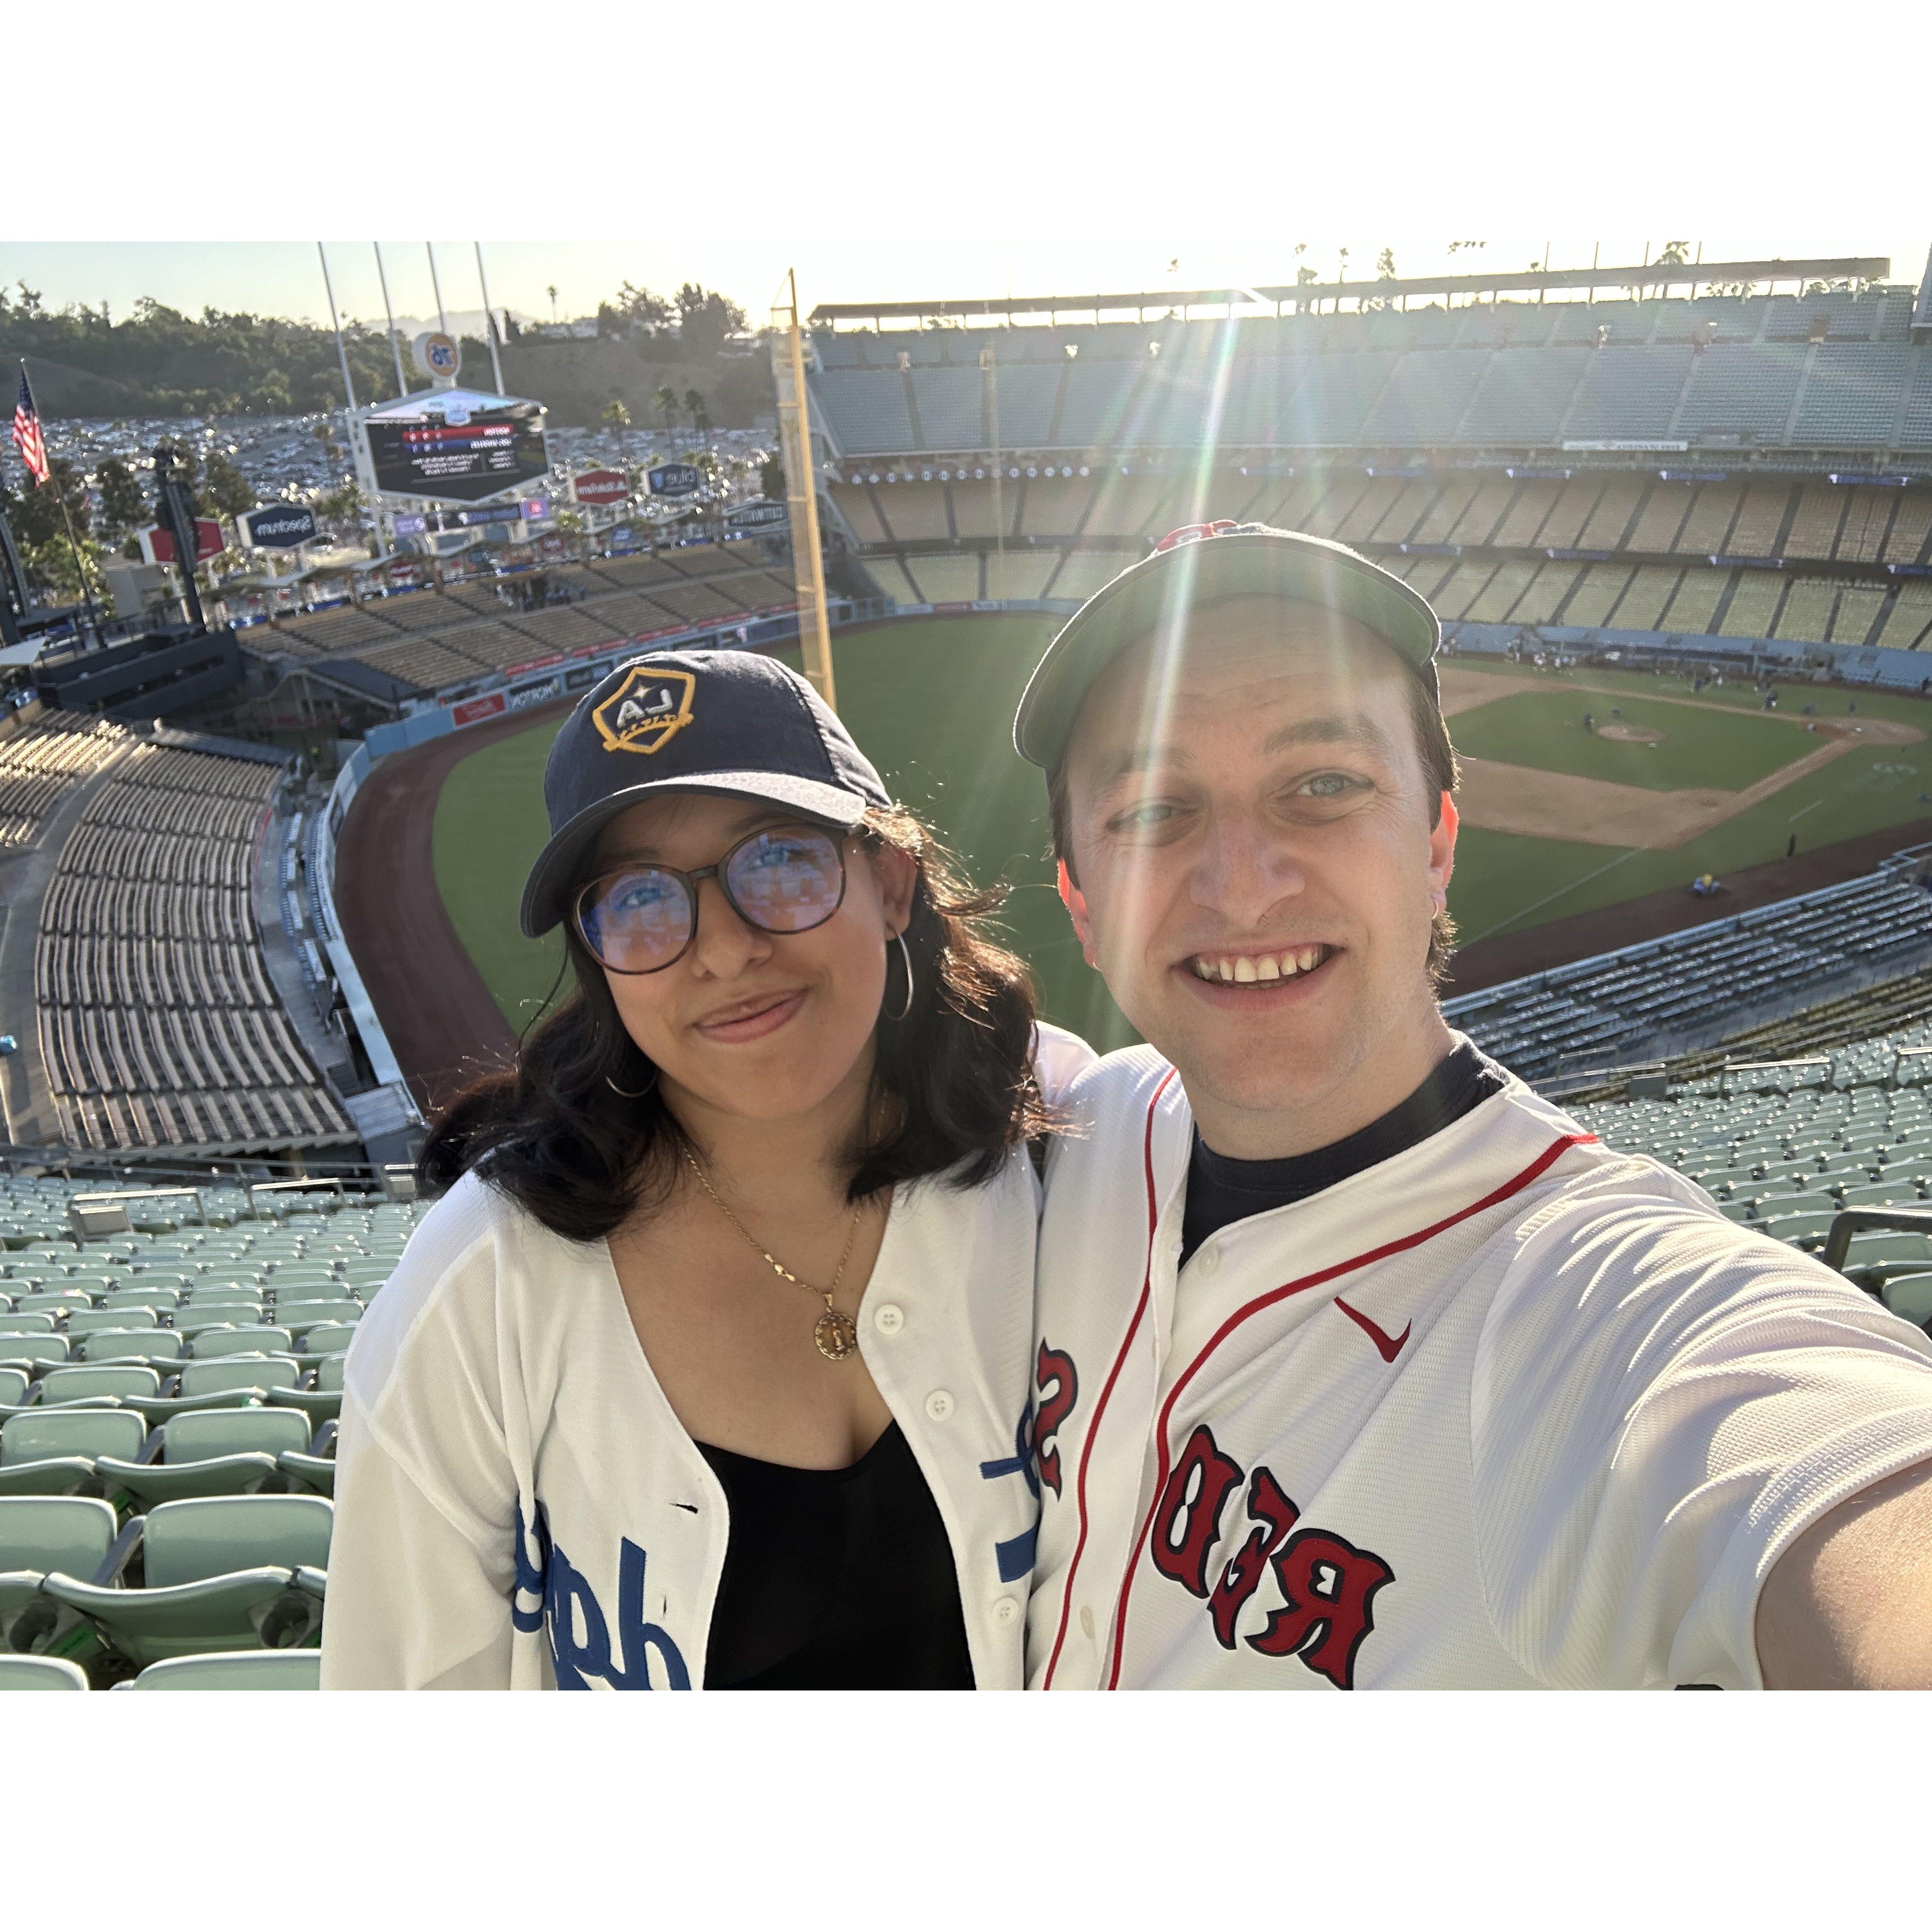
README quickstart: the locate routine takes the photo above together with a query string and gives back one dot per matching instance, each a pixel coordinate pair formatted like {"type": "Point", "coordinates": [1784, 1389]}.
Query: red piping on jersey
{"type": "Point", "coordinates": [1113, 1375]}
{"type": "Point", "coordinates": [1514, 1186]}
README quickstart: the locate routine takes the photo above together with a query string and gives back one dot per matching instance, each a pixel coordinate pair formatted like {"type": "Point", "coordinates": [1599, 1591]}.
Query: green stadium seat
{"type": "Point", "coordinates": [51, 1452]}
{"type": "Point", "coordinates": [1806, 1230]}
{"type": "Point", "coordinates": [221, 1573]}
{"type": "Point", "coordinates": [14, 1384]}
{"type": "Point", "coordinates": [103, 1321]}
{"type": "Point", "coordinates": [240, 1371]}
{"type": "Point", "coordinates": [1910, 1295]}
{"type": "Point", "coordinates": [40, 1673]}
{"type": "Point", "coordinates": [29, 1322]}
{"type": "Point", "coordinates": [117, 1379]}
{"type": "Point", "coordinates": [34, 1348]}
{"type": "Point", "coordinates": [328, 1338]}
{"type": "Point", "coordinates": [211, 1452]}
{"type": "Point", "coordinates": [296, 1315]}
{"type": "Point", "coordinates": [234, 1670]}
{"type": "Point", "coordinates": [130, 1345]}
{"type": "Point", "coordinates": [51, 1301]}
{"type": "Point", "coordinates": [265, 1341]}
{"type": "Point", "coordinates": [1873, 1258]}
{"type": "Point", "coordinates": [39, 1533]}
{"type": "Point", "coordinates": [156, 1298]}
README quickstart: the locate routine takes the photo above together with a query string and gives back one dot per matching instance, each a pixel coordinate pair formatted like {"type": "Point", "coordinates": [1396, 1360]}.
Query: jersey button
{"type": "Point", "coordinates": [1005, 1610]}
{"type": "Point", "coordinates": [939, 1405]}
{"type": "Point", "coordinates": [1208, 1261]}
{"type": "Point", "coordinates": [889, 1319]}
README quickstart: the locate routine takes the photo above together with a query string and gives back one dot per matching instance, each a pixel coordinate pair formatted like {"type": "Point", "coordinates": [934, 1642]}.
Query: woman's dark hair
{"type": "Point", "coordinates": [952, 1082]}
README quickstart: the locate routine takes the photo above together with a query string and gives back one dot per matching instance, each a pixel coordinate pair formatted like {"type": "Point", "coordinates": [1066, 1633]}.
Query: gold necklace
{"type": "Point", "coordinates": [836, 1332]}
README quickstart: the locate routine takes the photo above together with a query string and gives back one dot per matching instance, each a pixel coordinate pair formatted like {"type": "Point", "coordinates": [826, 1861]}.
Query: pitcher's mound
{"type": "Point", "coordinates": [1631, 734]}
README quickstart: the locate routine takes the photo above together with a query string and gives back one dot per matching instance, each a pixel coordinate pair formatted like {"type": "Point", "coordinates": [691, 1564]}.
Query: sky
{"type": "Point", "coordinates": [957, 152]}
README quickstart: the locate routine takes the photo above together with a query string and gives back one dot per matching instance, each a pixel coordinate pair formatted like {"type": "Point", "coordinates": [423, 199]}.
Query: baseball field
{"type": "Point", "coordinates": [1559, 817]}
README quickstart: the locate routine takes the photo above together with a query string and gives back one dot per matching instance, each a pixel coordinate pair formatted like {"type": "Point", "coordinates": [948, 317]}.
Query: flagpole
{"type": "Point", "coordinates": [73, 543]}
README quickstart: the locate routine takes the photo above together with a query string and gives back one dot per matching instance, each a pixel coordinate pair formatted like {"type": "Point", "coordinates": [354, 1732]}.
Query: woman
{"type": "Point", "coordinates": [711, 1367]}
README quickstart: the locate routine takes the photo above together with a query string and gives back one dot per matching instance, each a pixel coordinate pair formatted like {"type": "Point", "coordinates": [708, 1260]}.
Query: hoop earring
{"type": "Point", "coordinates": [905, 955]}
{"type": "Point", "coordinates": [625, 1094]}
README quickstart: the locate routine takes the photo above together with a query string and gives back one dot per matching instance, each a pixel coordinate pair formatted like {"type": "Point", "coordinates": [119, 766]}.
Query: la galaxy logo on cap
{"type": "Point", "coordinates": [647, 711]}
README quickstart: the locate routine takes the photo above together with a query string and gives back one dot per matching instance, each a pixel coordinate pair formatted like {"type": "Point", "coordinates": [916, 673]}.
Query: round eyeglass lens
{"type": "Point", "coordinates": [787, 881]}
{"type": "Point", "coordinates": [637, 920]}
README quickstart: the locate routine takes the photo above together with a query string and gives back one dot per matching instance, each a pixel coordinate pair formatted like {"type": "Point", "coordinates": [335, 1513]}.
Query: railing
{"type": "Point", "coordinates": [1850, 1221]}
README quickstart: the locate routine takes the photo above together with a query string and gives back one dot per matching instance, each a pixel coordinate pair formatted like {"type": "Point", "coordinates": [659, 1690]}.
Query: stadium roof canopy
{"type": "Point", "coordinates": [422, 401]}
{"type": "Point", "coordinates": [1658, 276]}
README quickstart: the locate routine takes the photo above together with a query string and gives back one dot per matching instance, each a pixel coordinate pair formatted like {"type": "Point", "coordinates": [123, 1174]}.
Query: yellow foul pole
{"type": "Point", "coordinates": [815, 635]}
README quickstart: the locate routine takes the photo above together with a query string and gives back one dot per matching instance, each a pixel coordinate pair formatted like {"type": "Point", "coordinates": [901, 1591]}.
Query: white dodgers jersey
{"type": "Point", "coordinates": [1506, 1409]}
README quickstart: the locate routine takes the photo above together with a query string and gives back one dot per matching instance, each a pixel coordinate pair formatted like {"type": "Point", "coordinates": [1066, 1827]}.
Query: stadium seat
{"type": "Point", "coordinates": [328, 1338]}
{"type": "Point", "coordinates": [1910, 1295]}
{"type": "Point", "coordinates": [27, 1321]}
{"type": "Point", "coordinates": [221, 1573]}
{"type": "Point", "coordinates": [51, 1452]}
{"type": "Point", "coordinates": [263, 1341]}
{"type": "Point", "coordinates": [14, 1384]}
{"type": "Point", "coordinates": [39, 1533]}
{"type": "Point", "coordinates": [233, 1670]}
{"type": "Point", "coordinates": [102, 1321]}
{"type": "Point", "coordinates": [118, 1379]}
{"type": "Point", "coordinates": [314, 1468]}
{"type": "Point", "coordinates": [240, 1371]}
{"type": "Point", "coordinates": [41, 1673]}
{"type": "Point", "coordinates": [210, 1452]}
{"type": "Point", "coordinates": [130, 1345]}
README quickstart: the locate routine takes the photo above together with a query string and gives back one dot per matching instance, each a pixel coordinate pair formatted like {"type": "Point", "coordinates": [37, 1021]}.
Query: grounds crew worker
{"type": "Point", "coordinates": [1359, 1364]}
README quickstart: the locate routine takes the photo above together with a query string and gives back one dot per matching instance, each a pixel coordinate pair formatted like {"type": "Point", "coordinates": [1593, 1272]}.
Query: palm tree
{"type": "Point", "coordinates": [666, 400]}
{"type": "Point", "coordinates": [553, 302]}
{"type": "Point", "coordinates": [616, 415]}
{"type": "Point", "coordinates": [693, 407]}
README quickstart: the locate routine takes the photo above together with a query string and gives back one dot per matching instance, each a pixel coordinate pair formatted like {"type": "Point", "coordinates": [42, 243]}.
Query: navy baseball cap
{"type": "Point", "coordinates": [1201, 564]}
{"type": "Point", "coordinates": [728, 722]}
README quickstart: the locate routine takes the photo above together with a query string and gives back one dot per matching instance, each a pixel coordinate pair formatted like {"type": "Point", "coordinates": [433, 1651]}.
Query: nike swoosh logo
{"type": "Point", "coordinates": [1387, 1345]}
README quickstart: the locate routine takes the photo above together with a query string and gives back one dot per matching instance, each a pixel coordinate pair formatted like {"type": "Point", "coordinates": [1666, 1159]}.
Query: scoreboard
{"type": "Point", "coordinates": [452, 447]}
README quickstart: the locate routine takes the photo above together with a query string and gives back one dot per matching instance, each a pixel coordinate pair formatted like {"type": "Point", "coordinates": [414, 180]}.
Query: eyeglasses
{"type": "Point", "coordinates": [641, 919]}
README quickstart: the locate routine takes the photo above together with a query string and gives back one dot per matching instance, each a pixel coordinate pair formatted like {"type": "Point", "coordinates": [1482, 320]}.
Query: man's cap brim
{"type": "Point", "coordinates": [543, 906]}
{"type": "Point", "coordinates": [1155, 594]}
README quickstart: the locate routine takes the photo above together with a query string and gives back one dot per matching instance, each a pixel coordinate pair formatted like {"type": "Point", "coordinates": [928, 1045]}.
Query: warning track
{"type": "Point", "coordinates": [443, 1024]}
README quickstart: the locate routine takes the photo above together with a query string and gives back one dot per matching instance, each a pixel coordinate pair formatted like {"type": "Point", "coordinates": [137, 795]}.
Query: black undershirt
{"type": "Point", "coordinates": [1220, 1190]}
{"type": "Point", "coordinates": [835, 1580]}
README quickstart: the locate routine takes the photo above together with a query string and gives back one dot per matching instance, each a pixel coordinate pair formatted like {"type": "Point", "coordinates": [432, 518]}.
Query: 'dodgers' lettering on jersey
{"type": "Point", "coordinates": [580, 1634]}
{"type": "Point", "coordinates": [1327, 1585]}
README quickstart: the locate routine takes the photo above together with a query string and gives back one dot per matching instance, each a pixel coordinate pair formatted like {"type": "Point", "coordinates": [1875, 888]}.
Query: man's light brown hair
{"type": "Point", "coordinates": [1440, 772]}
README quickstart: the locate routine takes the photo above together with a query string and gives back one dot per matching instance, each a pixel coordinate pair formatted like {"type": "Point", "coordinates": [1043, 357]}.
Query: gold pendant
{"type": "Point", "coordinates": [836, 1334]}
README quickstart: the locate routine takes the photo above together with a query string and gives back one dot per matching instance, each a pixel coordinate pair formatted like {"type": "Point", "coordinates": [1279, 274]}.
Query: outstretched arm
{"type": "Point", "coordinates": [1849, 1606]}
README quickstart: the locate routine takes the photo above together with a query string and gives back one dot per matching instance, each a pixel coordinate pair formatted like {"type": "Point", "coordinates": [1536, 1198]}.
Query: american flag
{"type": "Point", "coordinates": [27, 436]}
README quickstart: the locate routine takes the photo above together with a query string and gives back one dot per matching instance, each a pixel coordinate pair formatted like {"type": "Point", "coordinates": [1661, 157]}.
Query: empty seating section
{"type": "Point", "coordinates": [171, 1516]}
{"type": "Point", "coordinates": [465, 631]}
{"type": "Point", "coordinates": [1615, 1008]}
{"type": "Point", "coordinates": [41, 763]}
{"type": "Point", "coordinates": [1746, 392]}
{"type": "Point", "coordinates": [947, 580]}
{"type": "Point", "coordinates": [1806, 612]}
{"type": "Point", "coordinates": [158, 1024]}
{"type": "Point", "coordinates": [1814, 524]}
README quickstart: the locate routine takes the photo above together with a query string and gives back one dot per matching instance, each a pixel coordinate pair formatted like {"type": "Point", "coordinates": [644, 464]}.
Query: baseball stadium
{"type": "Point", "coordinates": [261, 862]}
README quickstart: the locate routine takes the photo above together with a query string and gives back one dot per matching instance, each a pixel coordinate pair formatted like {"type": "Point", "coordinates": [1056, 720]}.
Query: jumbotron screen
{"type": "Point", "coordinates": [446, 452]}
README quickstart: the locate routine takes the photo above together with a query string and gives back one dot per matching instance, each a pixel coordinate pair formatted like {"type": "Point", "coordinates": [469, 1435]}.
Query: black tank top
{"type": "Point", "coordinates": [835, 1580]}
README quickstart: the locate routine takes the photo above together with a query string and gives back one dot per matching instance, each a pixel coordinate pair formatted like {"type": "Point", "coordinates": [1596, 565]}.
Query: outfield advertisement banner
{"type": "Point", "coordinates": [474, 710]}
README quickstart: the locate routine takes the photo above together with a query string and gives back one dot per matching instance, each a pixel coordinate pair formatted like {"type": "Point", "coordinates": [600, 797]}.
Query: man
{"type": "Point", "coordinates": [1358, 1363]}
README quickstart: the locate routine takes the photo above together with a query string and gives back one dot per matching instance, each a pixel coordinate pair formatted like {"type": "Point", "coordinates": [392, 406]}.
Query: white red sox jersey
{"type": "Point", "coordinates": [1508, 1409]}
{"type": "Point", "coordinates": [518, 1507]}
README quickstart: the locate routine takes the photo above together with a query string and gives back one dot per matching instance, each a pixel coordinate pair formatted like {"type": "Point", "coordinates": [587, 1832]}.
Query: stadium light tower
{"type": "Point", "coordinates": [807, 565]}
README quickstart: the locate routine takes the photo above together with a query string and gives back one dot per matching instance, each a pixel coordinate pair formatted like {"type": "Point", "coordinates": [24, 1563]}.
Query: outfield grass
{"type": "Point", "coordinates": [1721, 748]}
{"type": "Point", "coordinates": [931, 702]}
